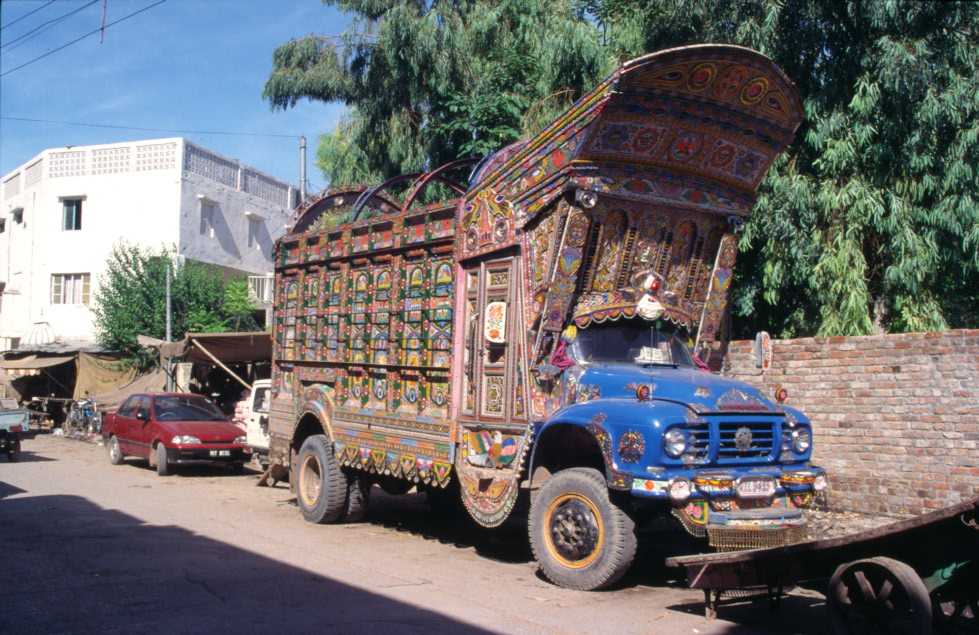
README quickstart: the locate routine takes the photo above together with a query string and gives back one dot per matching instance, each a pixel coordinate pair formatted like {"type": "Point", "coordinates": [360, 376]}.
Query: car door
{"type": "Point", "coordinates": [142, 426]}
{"type": "Point", "coordinates": [122, 426]}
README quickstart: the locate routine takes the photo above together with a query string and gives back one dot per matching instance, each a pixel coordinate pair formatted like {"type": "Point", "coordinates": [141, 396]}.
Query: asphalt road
{"type": "Point", "coordinates": [86, 546]}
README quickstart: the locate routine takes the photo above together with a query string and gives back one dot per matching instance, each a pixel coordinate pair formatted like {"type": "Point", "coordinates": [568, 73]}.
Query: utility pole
{"type": "Point", "coordinates": [302, 169]}
{"type": "Point", "coordinates": [169, 265]}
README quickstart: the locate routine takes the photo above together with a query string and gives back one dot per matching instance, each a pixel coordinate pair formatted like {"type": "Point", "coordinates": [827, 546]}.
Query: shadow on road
{"type": "Point", "coordinates": [30, 457]}
{"type": "Point", "coordinates": [73, 566]}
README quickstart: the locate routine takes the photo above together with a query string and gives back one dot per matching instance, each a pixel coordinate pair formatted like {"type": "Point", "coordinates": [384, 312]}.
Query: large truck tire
{"type": "Point", "coordinates": [321, 487]}
{"type": "Point", "coordinates": [358, 497]}
{"type": "Point", "coordinates": [581, 539]}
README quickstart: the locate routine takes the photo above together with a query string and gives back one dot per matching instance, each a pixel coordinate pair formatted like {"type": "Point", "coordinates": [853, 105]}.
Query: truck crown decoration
{"type": "Point", "coordinates": [540, 335]}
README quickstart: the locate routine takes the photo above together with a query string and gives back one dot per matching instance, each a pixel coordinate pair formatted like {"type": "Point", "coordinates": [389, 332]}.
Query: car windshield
{"type": "Point", "coordinates": [185, 408]}
{"type": "Point", "coordinates": [631, 341]}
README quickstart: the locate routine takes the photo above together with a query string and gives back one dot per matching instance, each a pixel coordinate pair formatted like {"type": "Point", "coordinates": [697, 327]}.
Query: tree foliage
{"type": "Point", "coordinates": [868, 223]}
{"type": "Point", "coordinates": [131, 299]}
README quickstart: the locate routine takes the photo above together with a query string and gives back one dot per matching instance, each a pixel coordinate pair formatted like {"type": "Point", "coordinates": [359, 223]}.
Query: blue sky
{"type": "Point", "coordinates": [185, 64]}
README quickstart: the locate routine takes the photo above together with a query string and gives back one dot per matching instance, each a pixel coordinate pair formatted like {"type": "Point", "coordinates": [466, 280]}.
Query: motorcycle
{"type": "Point", "coordinates": [83, 416]}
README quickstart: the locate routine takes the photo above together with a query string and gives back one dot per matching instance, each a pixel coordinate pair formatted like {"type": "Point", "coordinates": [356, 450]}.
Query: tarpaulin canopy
{"type": "Point", "coordinates": [35, 362]}
{"type": "Point", "coordinates": [154, 381]}
{"type": "Point", "coordinates": [98, 374]}
{"type": "Point", "coordinates": [230, 348]}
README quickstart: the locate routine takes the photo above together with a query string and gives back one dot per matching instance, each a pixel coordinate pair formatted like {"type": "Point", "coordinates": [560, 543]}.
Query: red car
{"type": "Point", "coordinates": [171, 429]}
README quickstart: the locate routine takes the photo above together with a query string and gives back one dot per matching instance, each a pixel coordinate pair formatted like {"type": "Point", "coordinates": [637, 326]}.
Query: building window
{"type": "Point", "coordinates": [208, 212]}
{"type": "Point", "coordinates": [70, 288]}
{"type": "Point", "coordinates": [3, 225]}
{"type": "Point", "coordinates": [72, 214]}
{"type": "Point", "coordinates": [254, 225]}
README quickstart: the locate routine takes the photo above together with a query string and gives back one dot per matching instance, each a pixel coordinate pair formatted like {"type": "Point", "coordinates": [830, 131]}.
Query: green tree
{"type": "Point", "coordinates": [131, 298]}
{"type": "Point", "coordinates": [429, 82]}
{"type": "Point", "coordinates": [238, 306]}
{"type": "Point", "coordinates": [869, 222]}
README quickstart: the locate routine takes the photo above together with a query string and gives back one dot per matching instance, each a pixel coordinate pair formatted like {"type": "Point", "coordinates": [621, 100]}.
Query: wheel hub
{"type": "Point", "coordinates": [574, 530]}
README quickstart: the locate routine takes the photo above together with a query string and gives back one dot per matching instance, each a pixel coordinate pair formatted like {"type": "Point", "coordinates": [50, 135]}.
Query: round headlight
{"type": "Point", "coordinates": [675, 442]}
{"type": "Point", "coordinates": [801, 440]}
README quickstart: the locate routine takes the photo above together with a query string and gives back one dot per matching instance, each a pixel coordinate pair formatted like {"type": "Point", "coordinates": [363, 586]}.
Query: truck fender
{"type": "Point", "coordinates": [315, 410]}
{"type": "Point", "coordinates": [581, 426]}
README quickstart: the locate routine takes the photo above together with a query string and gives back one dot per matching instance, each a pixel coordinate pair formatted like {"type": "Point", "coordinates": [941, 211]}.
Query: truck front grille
{"type": "Point", "coordinates": [761, 445]}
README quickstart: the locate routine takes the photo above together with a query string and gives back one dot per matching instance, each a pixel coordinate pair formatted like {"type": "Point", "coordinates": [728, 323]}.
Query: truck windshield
{"type": "Point", "coordinates": [630, 341]}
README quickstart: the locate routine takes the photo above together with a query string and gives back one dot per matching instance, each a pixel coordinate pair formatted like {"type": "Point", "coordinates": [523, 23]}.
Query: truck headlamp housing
{"type": "Point", "coordinates": [675, 442]}
{"type": "Point", "coordinates": [801, 440]}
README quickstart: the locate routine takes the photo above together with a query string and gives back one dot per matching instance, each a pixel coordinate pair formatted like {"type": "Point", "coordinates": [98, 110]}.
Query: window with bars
{"type": "Point", "coordinates": [71, 219]}
{"type": "Point", "coordinates": [70, 288]}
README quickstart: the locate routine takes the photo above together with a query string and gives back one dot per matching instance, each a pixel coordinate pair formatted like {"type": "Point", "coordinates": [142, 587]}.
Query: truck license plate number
{"type": "Point", "coordinates": [220, 452]}
{"type": "Point", "coordinates": [756, 488]}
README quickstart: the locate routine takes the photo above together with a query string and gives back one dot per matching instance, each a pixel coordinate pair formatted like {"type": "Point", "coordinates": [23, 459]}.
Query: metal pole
{"type": "Point", "coordinates": [302, 169]}
{"type": "Point", "coordinates": [169, 264]}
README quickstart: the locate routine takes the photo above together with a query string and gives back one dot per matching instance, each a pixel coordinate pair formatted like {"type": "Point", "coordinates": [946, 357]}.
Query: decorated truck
{"type": "Point", "coordinates": [534, 345]}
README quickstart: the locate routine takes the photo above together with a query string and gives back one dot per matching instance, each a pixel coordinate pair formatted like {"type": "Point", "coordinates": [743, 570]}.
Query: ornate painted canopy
{"type": "Point", "coordinates": [692, 128]}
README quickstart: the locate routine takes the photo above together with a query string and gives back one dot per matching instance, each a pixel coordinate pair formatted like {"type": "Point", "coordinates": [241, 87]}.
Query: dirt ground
{"type": "Point", "coordinates": [88, 546]}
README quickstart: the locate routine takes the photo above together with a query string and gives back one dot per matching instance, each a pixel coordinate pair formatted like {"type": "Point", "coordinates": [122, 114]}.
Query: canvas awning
{"type": "Point", "coordinates": [230, 348]}
{"type": "Point", "coordinates": [219, 349]}
{"type": "Point", "coordinates": [32, 364]}
{"type": "Point", "coordinates": [35, 362]}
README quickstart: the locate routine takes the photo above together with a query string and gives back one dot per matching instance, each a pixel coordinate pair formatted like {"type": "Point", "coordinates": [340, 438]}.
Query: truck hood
{"type": "Point", "coordinates": [700, 390]}
{"type": "Point", "coordinates": [203, 430]}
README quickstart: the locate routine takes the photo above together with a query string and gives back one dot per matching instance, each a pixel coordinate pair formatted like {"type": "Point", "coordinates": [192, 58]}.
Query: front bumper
{"type": "Point", "coordinates": [207, 455]}
{"type": "Point", "coordinates": [721, 484]}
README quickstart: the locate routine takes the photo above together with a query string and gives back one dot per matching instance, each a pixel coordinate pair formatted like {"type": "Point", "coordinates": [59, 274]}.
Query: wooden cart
{"type": "Point", "coordinates": [905, 577]}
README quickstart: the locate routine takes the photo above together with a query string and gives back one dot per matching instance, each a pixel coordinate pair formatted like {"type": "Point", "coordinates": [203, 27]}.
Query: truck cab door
{"type": "Point", "coordinates": [494, 430]}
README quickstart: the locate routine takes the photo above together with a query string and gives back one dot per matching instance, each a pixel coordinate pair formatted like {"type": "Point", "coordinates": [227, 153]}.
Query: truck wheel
{"type": "Point", "coordinates": [322, 486]}
{"type": "Point", "coordinates": [162, 465]}
{"type": "Point", "coordinates": [358, 497]}
{"type": "Point", "coordinates": [115, 452]}
{"type": "Point", "coordinates": [878, 595]}
{"type": "Point", "coordinates": [580, 538]}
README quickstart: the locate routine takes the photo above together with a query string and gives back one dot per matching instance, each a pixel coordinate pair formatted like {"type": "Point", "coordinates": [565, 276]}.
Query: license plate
{"type": "Point", "coordinates": [220, 452]}
{"type": "Point", "coordinates": [756, 488]}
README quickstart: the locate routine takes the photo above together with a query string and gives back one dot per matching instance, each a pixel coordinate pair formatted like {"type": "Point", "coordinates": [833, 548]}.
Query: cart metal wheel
{"type": "Point", "coordinates": [878, 595]}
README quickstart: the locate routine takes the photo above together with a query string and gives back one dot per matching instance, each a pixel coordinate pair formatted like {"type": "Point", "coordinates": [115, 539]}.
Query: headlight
{"type": "Point", "coordinates": [241, 440]}
{"type": "Point", "coordinates": [674, 442]}
{"type": "Point", "coordinates": [801, 440]}
{"type": "Point", "coordinates": [185, 439]}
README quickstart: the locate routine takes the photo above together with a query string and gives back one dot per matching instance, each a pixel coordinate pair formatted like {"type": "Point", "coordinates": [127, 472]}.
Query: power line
{"type": "Point", "coordinates": [27, 15]}
{"type": "Point", "coordinates": [80, 38]}
{"type": "Point", "coordinates": [143, 129]}
{"type": "Point", "coordinates": [41, 26]}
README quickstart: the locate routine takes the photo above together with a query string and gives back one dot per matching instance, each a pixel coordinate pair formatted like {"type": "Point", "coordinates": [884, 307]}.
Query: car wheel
{"type": "Point", "coordinates": [321, 489]}
{"type": "Point", "coordinates": [581, 539]}
{"type": "Point", "coordinates": [163, 467]}
{"type": "Point", "coordinates": [115, 452]}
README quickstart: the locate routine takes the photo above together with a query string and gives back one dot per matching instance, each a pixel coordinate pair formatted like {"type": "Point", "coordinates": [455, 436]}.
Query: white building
{"type": "Point", "coordinates": [64, 210]}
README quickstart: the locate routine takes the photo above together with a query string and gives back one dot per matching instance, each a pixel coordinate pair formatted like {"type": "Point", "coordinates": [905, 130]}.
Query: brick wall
{"type": "Point", "coordinates": [895, 417]}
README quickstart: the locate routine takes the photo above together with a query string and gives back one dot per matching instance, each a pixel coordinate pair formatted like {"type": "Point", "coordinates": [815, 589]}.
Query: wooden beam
{"type": "Point", "coordinates": [220, 364]}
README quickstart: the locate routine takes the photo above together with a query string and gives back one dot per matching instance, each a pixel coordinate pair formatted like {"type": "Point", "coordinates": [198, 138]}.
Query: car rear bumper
{"type": "Point", "coordinates": [201, 456]}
